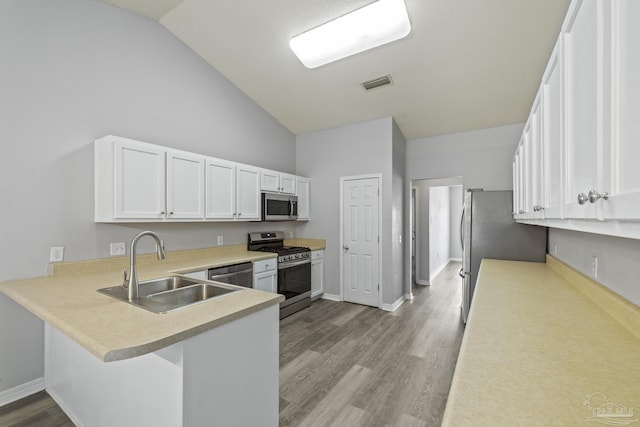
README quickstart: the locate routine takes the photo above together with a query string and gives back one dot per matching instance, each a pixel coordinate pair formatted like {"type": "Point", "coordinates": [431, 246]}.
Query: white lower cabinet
{"type": "Point", "coordinates": [317, 273]}
{"type": "Point", "coordinates": [265, 275]}
{"type": "Point", "coordinates": [198, 275]}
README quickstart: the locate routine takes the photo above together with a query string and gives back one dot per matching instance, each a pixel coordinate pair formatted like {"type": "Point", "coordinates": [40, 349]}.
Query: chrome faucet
{"type": "Point", "coordinates": [132, 283]}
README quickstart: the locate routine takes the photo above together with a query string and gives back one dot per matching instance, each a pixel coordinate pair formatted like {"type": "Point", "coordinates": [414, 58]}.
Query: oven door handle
{"type": "Point", "coordinates": [282, 266]}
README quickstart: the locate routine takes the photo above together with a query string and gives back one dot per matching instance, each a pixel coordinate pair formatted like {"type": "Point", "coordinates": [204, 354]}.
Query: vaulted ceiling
{"type": "Point", "coordinates": [467, 64]}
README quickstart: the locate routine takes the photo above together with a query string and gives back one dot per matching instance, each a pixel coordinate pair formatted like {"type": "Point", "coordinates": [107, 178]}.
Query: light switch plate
{"type": "Point", "coordinates": [220, 240]}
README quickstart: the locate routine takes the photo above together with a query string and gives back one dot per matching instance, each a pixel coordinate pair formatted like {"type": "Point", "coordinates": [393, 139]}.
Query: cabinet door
{"type": "Point", "coordinates": [139, 181]}
{"type": "Point", "coordinates": [518, 207]}
{"type": "Point", "coordinates": [185, 185]}
{"type": "Point", "coordinates": [248, 207]}
{"type": "Point", "coordinates": [267, 281]}
{"type": "Point", "coordinates": [287, 183]}
{"type": "Point", "coordinates": [317, 273]}
{"type": "Point", "coordinates": [527, 201]}
{"type": "Point", "coordinates": [220, 189]}
{"type": "Point", "coordinates": [536, 170]}
{"type": "Point", "coordinates": [583, 82]}
{"type": "Point", "coordinates": [302, 190]}
{"type": "Point", "coordinates": [269, 180]}
{"type": "Point", "coordinates": [552, 134]}
{"type": "Point", "coordinates": [622, 168]}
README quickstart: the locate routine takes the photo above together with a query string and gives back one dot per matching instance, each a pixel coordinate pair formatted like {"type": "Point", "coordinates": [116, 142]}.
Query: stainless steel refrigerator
{"type": "Point", "coordinates": [487, 230]}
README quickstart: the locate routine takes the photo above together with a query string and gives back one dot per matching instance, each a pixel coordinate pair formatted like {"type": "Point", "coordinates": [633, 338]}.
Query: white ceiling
{"type": "Point", "coordinates": [467, 64]}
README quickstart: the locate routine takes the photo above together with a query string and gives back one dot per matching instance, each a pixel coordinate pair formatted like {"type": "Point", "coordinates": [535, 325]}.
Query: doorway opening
{"type": "Point", "coordinates": [436, 210]}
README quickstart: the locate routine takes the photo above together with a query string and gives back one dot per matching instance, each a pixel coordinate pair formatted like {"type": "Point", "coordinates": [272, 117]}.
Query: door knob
{"type": "Point", "coordinates": [345, 247]}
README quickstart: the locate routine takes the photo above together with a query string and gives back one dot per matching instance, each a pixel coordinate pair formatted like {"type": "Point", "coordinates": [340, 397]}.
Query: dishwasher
{"type": "Point", "coordinates": [236, 274]}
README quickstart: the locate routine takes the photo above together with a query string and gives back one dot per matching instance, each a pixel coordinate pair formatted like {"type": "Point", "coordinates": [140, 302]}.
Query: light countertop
{"type": "Point", "coordinates": [313, 244]}
{"type": "Point", "coordinates": [544, 345]}
{"type": "Point", "coordinates": [113, 330]}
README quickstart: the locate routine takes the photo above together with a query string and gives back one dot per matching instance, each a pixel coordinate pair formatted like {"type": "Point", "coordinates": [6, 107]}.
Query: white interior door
{"type": "Point", "coordinates": [360, 237]}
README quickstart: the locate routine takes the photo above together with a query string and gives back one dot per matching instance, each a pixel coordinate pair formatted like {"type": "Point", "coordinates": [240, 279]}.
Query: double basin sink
{"type": "Point", "coordinates": [171, 293]}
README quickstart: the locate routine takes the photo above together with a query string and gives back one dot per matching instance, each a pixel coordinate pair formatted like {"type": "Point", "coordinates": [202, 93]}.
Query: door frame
{"type": "Point", "coordinates": [343, 179]}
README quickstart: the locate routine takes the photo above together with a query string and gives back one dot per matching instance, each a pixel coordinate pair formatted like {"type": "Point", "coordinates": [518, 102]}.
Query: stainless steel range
{"type": "Point", "coordinates": [294, 269]}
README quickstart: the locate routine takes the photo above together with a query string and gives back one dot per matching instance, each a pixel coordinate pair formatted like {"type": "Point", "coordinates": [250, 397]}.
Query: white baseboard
{"type": "Point", "coordinates": [423, 282]}
{"type": "Point", "coordinates": [65, 408]}
{"type": "Point", "coordinates": [395, 305]}
{"type": "Point", "coordinates": [331, 297]}
{"type": "Point", "coordinates": [434, 275]}
{"type": "Point", "coordinates": [455, 259]}
{"type": "Point", "coordinates": [23, 390]}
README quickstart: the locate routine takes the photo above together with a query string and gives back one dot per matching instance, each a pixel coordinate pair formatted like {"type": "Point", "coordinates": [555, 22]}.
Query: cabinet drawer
{"type": "Point", "coordinates": [265, 265]}
{"type": "Point", "coordinates": [317, 254]}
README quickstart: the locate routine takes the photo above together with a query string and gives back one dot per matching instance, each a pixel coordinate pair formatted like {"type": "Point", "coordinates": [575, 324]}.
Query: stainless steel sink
{"type": "Point", "coordinates": [171, 293]}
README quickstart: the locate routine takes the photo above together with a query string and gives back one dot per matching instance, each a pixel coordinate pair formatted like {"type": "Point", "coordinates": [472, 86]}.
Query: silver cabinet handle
{"type": "Point", "coordinates": [239, 213]}
{"type": "Point", "coordinates": [582, 198]}
{"type": "Point", "coordinates": [538, 208]}
{"type": "Point", "coordinates": [594, 196]}
{"type": "Point", "coordinates": [345, 247]}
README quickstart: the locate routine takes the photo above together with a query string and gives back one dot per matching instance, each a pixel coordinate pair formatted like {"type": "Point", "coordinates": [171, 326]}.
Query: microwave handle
{"type": "Point", "coordinates": [290, 207]}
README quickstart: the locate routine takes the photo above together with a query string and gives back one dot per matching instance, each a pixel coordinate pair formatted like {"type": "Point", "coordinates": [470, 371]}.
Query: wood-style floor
{"type": "Point", "coordinates": [344, 364]}
{"type": "Point", "coordinates": [37, 410]}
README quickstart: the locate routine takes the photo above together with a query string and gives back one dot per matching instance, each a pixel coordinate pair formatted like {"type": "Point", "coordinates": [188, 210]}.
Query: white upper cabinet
{"type": "Point", "coordinates": [583, 62]}
{"type": "Point", "coordinates": [220, 189]}
{"type": "Point", "coordinates": [589, 127]}
{"type": "Point", "coordinates": [140, 182]}
{"type": "Point", "coordinates": [552, 134]}
{"type": "Point", "coordinates": [248, 203]}
{"type": "Point", "coordinates": [185, 185]}
{"type": "Point", "coordinates": [277, 182]}
{"type": "Point", "coordinates": [232, 191]}
{"type": "Point", "coordinates": [129, 180]}
{"type": "Point", "coordinates": [303, 191]}
{"type": "Point", "coordinates": [621, 169]}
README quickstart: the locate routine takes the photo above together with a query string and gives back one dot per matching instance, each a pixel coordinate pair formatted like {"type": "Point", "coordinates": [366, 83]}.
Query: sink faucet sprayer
{"type": "Point", "coordinates": [132, 283]}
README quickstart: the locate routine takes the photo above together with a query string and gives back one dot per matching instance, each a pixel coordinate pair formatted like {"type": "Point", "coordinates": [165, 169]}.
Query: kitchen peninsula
{"type": "Point", "coordinates": [111, 363]}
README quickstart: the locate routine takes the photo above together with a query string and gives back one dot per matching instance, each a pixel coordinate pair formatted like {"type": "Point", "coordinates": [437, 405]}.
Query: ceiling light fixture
{"type": "Point", "coordinates": [373, 25]}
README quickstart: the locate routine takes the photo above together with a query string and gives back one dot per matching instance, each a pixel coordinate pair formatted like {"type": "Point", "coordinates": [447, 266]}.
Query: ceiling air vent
{"type": "Point", "coordinates": [377, 82]}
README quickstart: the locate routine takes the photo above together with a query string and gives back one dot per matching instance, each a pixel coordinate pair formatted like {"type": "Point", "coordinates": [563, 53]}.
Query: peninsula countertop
{"type": "Point", "coordinates": [113, 330]}
{"type": "Point", "coordinates": [545, 345]}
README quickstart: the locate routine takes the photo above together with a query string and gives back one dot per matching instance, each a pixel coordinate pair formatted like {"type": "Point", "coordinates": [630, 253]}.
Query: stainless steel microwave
{"type": "Point", "coordinates": [279, 207]}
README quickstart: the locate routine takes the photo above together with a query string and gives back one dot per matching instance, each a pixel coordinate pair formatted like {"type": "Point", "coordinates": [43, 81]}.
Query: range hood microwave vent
{"type": "Point", "coordinates": [377, 82]}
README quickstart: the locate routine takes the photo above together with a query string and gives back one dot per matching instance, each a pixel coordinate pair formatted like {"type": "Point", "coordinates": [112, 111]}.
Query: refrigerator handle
{"type": "Point", "coordinates": [462, 229]}
{"type": "Point", "coordinates": [461, 272]}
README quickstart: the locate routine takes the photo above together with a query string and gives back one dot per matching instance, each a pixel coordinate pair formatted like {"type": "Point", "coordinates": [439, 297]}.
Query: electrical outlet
{"type": "Point", "coordinates": [555, 248]}
{"type": "Point", "coordinates": [220, 240]}
{"type": "Point", "coordinates": [117, 249]}
{"type": "Point", "coordinates": [594, 266]}
{"type": "Point", "coordinates": [291, 234]}
{"type": "Point", "coordinates": [57, 254]}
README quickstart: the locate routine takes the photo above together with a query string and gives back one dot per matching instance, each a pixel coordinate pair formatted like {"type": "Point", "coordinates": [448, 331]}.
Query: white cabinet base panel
{"type": "Point", "coordinates": [209, 379]}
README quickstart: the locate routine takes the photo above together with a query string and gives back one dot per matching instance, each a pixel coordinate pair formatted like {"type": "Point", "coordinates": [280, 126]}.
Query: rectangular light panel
{"type": "Point", "coordinates": [373, 25]}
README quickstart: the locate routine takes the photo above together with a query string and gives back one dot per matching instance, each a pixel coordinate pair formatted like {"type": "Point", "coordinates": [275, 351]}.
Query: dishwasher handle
{"type": "Point", "coordinates": [235, 273]}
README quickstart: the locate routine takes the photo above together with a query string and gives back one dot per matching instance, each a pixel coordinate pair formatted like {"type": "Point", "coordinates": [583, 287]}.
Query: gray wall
{"type": "Point", "coordinates": [398, 206]}
{"type": "Point", "coordinates": [618, 259]}
{"type": "Point", "coordinates": [76, 70]}
{"type": "Point", "coordinates": [439, 229]}
{"type": "Point", "coordinates": [455, 211]}
{"type": "Point", "coordinates": [357, 149]}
